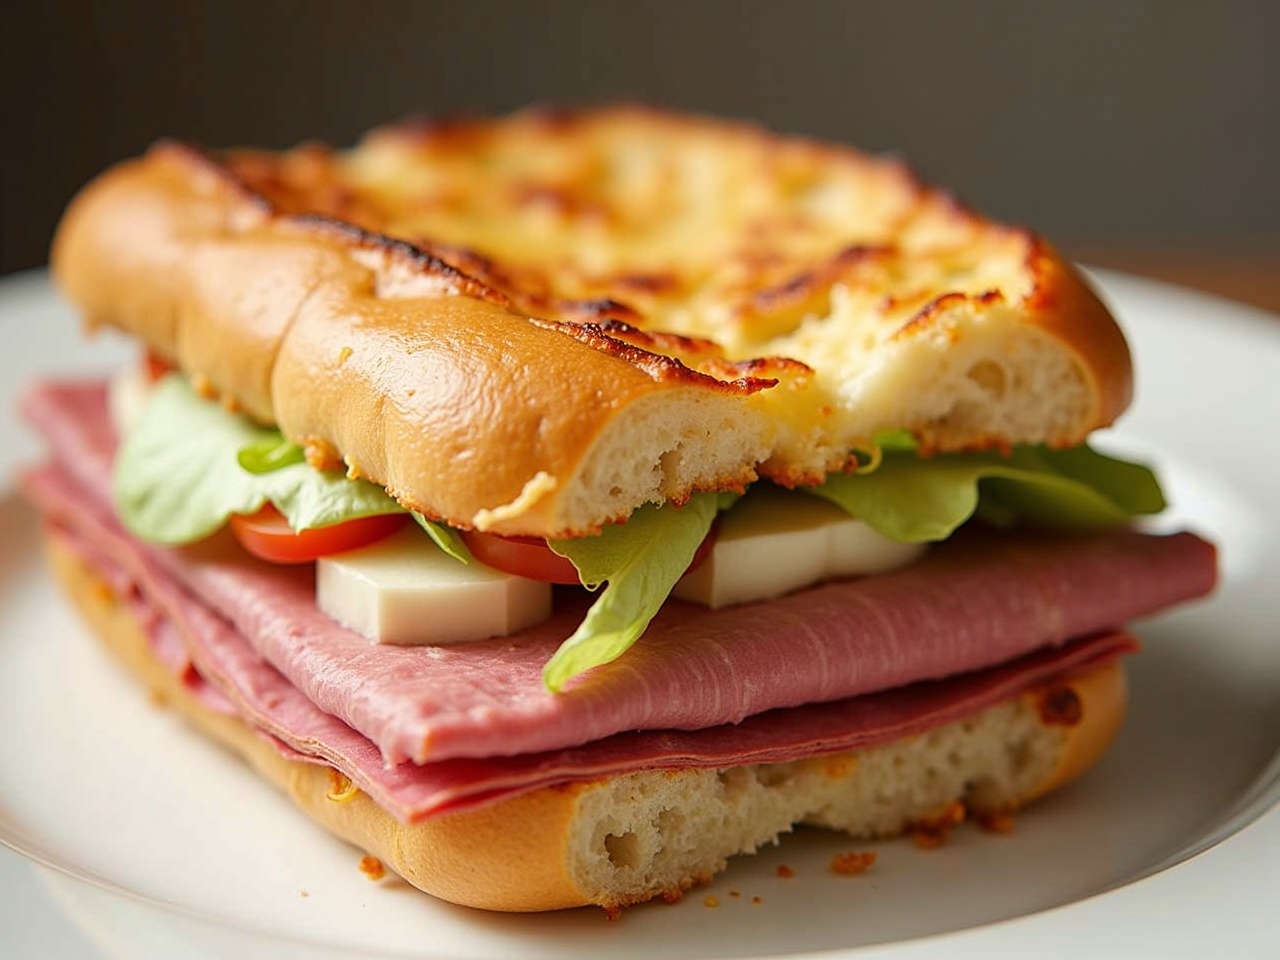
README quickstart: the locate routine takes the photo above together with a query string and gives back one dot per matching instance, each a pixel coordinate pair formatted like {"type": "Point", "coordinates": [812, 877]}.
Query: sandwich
{"type": "Point", "coordinates": [559, 505]}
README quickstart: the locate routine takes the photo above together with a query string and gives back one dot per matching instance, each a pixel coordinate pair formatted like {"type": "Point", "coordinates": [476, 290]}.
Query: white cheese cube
{"type": "Point", "coordinates": [766, 546]}
{"type": "Point", "coordinates": [773, 542]}
{"type": "Point", "coordinates": [405, 590]}
{"type": "Point", "coordinates": [855, 549]}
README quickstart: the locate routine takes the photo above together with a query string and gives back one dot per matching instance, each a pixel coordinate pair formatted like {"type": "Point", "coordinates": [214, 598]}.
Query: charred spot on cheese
{"type": "Point", "coordinates": [660, 366]}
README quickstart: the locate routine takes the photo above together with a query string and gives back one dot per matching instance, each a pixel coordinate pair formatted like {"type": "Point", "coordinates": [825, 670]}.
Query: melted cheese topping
{"type": "Point", "coordinates": [840, 293]}
{"type": "Point", "coordinates": [702, 228]}
{"type": "Point", "coordinates": [781, 257]}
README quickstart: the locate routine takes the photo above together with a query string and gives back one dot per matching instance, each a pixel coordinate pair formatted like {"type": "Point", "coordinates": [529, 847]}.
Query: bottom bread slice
{"type": "Point", "coordinates": [629, 838]}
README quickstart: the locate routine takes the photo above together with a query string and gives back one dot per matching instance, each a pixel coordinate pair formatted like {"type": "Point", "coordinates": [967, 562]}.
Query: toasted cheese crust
{"type": "Point", "coordinates": [536, 324]}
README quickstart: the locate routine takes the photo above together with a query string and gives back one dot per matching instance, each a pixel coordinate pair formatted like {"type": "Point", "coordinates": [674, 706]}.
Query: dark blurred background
{"type": "Point", "coordinates": [1108, 125]}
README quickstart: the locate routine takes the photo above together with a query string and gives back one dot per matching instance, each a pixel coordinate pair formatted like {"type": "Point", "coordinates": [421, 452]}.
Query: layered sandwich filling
{"type": "Point", "coordinates": [187, 467]}
{"type": "Point", "coordinates": [831, 667]}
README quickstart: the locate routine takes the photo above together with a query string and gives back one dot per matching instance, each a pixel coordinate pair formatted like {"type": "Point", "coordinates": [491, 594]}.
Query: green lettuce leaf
{"type": "Point", "coordinates": [640, 560]}
{"type": "Point", "coordinates": [270, 453]}
{"type": "Point", "coordinates": [910, 498]}
{"type": "Point", "coordinates": [320, 498]}
{"type": "Point", "coordinates": [187, 465]}
{"type": "Point", "coordinates": [444, 537]}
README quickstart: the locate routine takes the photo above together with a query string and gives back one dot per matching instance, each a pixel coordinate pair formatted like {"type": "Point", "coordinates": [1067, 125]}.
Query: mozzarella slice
{"type": "Point", "coordinates": [404, 590]}
{"type": "Point", "coordinates": [773, 542]}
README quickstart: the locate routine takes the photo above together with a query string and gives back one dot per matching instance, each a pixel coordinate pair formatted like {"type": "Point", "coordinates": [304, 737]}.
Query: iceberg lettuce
{"type": "Point", "coordinates": [912, 498]}
{"type": "Point", "coordinates": [640, 561]}
{"type": "Point", "coordinates": [187, 465]}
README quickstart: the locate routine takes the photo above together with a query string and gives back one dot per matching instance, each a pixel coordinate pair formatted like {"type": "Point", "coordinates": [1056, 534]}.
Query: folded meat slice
{"type": "Point", "coordinates": [229, 668]}
{"type": "Point", "coordinates": [976, 601]}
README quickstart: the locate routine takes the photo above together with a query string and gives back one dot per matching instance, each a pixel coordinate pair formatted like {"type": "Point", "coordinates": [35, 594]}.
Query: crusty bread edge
{"type": "Point", "coordinates": [1065, 306]}
{"type": "Point", "coordinates": [475, 857]}
{"type": "Point", "coordinates": [174, 249]}
{"type": "Point", "coordinates": [260, 312]}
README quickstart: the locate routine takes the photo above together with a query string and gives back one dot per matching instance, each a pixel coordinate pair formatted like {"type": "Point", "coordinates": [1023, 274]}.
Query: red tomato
{"type": "Point", "coordinates": [531, 557]}
{"type": "Point", "coordinates": [157, 367]}
{"type": "Point", "coordinates": [268, 536]}
{"type": "Point", "coordinates": [704, 548]}
{"type": "Point", "coordinates": [523, 556]}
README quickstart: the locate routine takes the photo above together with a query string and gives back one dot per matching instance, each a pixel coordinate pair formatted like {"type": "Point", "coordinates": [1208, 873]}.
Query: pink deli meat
{"type": "Point", "coordinates": [230, 671]}
{"type": "Point", "coordinates": [973, 602]}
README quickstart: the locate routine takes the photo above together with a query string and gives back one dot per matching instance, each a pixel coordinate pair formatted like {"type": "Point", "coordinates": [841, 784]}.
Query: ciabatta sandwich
{"type": "Point", "coordinates": [812, 432]}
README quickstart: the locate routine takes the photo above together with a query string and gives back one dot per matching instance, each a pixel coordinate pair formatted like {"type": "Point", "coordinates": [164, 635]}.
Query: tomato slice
{"type": "Point", "coordinates": [157, 367]}
{"type": "Point", "coordinates": [530, 557]}
{"type": "Point", "coordinates": [268, 536]}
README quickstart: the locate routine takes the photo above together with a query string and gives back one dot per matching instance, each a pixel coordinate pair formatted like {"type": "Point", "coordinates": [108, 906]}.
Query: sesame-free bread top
{"type": "Point", "coordinates": [536, 324]}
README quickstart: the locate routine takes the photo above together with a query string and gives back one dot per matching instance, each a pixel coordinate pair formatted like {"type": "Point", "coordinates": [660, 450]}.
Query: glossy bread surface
{"type": "Point", "coordinates": [535, 324]}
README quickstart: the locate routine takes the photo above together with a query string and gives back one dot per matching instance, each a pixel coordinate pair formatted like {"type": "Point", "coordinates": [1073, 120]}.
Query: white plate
{"type": "Point", "coordinates": [161, 845]}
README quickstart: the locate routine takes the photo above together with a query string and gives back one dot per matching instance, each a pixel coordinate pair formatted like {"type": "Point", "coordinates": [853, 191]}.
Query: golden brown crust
{"type": "Point", "coordinates": [471, 858]}
{"type": "Point", "coordinates": [540, 290]}
{"type": "Point", "coordinates": [1066, 307]}
{"type": "Point", "coordinates": [1092, 706]}
{"type": "Point", "coordinates": [518, 854]}
{"type": "Point", "coordinates": [345, 385]}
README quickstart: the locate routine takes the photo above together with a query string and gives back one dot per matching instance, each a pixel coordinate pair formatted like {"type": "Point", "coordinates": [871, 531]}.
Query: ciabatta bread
{"type": "Point", "coordinates": [634, 837]}
{"type": "Point", "coordinates": [534, 325]}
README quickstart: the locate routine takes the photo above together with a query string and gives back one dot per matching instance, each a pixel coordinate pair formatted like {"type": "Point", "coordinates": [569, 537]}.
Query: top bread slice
{"type": "Point", "coordinates": [534, 325]}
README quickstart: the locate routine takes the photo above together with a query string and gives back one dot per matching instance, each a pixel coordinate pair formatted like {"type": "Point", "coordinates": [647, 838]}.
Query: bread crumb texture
{"type": "Point", "coordinates": [372, 867]}
{"type": "Point", "coordinates": [641, 834]}
{"type": "Point", "coordinates": [853, 864]}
